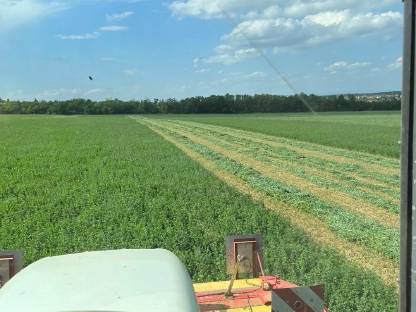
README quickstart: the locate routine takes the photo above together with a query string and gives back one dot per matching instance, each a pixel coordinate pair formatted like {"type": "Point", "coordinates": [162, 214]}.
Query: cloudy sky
{"type": "Point", "coordinates": [180, 48]}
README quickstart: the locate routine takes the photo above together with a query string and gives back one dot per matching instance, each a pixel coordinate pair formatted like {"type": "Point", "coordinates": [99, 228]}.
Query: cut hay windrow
{"type": "Point", "coordinates": [307, 167]}
{"type": "Point", "coordinates": [368, 162]}
{"type": "Point", "coordinates": [249, 182]}
{"type": "Point", "coordinates": [386, 183]}
{"type": "Point", "coordinates": [316, 175]}
{"type": "Point", "coordinates": [353, 155]}
{"type": "Point", "coordinates": [346, 224]}
{"type": "Point", "coordinates": [393, 188]}
{"type": "Point", "coordinates": [322, 191]}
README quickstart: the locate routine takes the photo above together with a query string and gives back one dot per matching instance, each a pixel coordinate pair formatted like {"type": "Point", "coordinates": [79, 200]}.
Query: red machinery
{"type": "Point", "coordinates": [244, 263]}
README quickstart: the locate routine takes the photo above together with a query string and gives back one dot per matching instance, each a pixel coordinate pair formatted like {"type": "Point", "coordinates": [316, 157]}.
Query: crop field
{"type": "Point", "coordinates": [375, 132]}
{"type": "Point", "coordinates": [329, 213]}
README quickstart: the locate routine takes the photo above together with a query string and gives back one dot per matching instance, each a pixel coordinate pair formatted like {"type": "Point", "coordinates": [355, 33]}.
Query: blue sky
{"type": "Point", "coordinates": [138, 49]}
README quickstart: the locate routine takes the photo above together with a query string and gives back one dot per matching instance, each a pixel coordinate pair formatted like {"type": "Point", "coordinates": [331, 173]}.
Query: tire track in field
{"type": "Point", "coordinates": [274, 160]}
{"type": "Point", "coordinates": [314, 228]}
{"type": "Point", "coordinates": [305, 149]}
{"type": "Point", "coordinates": [341, 199]}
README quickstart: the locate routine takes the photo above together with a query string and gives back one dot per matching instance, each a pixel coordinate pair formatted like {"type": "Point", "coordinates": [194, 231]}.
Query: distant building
{"type": "Point", "coordinates": [377, 97]}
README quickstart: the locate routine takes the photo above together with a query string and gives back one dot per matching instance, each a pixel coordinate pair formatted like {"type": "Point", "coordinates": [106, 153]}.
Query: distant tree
{"type": "Point", "coordinates": [228, 103]}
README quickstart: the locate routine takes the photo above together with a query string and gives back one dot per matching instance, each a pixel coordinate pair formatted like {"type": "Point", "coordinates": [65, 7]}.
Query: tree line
{"type": "Point", "coordinates": [214, 104]}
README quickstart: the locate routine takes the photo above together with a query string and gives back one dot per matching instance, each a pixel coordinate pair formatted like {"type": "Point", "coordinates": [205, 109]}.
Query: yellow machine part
{"type": "Point", "coordinates": [238, 284]}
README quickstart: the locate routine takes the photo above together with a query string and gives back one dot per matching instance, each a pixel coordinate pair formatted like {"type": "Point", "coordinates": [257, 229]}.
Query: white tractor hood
{"type": "Point", "coordinates": [102, 281]}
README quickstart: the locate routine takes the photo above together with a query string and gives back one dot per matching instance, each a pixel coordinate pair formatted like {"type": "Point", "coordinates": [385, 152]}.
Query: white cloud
{"type": "Point", "coordinates": [227, 55]}
{"type": "Point", "coordinates": [57, 93]}
{"type": "Point", "coordinates": [304, 7]}
{"type": "Point", "coordinates": [342, 66]}
{"type": "Point", "coordinates": [87, 36]}
{"type": "Point", "coordinates": [119, 16]}
{"type": "Point", "coordinates": [255, 75]}
{"type": "Point", "coordinates": [113, 28]}
{"type": "Point", "coordinates": [397, 64]}
{"type": "Point", "coordinates": [14, 13]}
{"type": "Point", "coordinates": [208, 9]}
{"type": "Point", "coordinates": [328, 18]}
{"type": "Point", "coordinates": [283, 33]}
{"type": "Point", "coordinates": [18, 94]}
{"type": "Point", "coordinates": [65, 94]}
{"type": "Point", "coordinates": [202, 70]}
{"type": "Point", "coordinates": [291, 24]}
{"type": "Point", "coordinates": [239, 77]}
{"type": "Point", "coordinates": [94, 35]}
{"type": "Point", "coordinates": [130, 71]}
{"type": "Point", "coordinates": [196, 62]}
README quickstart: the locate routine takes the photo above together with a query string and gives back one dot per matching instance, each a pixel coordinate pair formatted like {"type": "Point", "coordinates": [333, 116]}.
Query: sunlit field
{"type": "Point", "coordinates": [323, 190]}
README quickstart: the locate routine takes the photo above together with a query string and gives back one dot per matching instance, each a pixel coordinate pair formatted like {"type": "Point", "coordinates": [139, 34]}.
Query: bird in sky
{"type": "Point", "coordinates": [90, 77]}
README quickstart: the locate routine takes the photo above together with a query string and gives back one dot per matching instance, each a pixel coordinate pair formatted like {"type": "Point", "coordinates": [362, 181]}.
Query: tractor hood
{"type": "Point", "coordinates": [105, 281]}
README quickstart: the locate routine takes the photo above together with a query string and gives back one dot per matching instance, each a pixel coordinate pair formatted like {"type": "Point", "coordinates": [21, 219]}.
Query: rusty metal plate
{"type": "Point", "coordinates": [299, 299]}
{"type": "Point", "coordinates": [11, 262]}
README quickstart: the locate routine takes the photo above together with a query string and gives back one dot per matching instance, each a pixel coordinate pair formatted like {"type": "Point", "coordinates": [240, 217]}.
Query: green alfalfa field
{"type": "Point", "coordinates": [322, 190]}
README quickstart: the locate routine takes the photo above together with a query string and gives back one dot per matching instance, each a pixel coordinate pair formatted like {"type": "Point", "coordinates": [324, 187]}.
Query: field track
{"type": "Point", "coordinates": [343, 199]}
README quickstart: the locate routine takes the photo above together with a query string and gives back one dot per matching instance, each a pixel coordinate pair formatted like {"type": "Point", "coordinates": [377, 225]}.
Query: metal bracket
{"type": "Point", "coordinates": [11, 262]}
{"type": "Point", "coordinates": [249, 248]}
